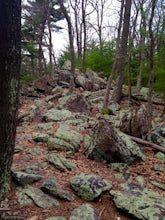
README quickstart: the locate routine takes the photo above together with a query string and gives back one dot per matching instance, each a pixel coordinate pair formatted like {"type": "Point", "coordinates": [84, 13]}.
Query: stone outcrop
{"type": "Point", "coordinates": [106, 143]}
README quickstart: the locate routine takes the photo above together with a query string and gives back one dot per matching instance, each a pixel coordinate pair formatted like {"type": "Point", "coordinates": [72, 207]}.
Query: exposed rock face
{"type": "Point", "coordinates": [142, 203]}
{"type": "Point", "coordinates": [158, 135]}
{"type": "Point", "coordinates": [135, 122]}
{"type": "Point", "coordinates": [106, 143]}
{"type": "Point", "coordinates": [84, 212]}
{"type": "Point", "coordinates": [89, 186]}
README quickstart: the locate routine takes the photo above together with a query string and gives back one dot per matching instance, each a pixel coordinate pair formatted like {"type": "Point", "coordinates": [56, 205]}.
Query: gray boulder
{"type": "Point", "coordinates": [23, 178]}
{"type": "Point", "coordinates": [89, 186]}
{"type": "Point", "coordinates": [50, 186]}
{"type": "Point", "coordinates": [84, 212]}
{"type": "Point", "coordinates": [39, 137]}
{"type": "Point", "coordinates": [106, 143]}
{"type": "Point", "coordinates": [60, 162]}
{"type": "Point", "coordinates": [58, 115]}
{"type": "Point", "coordinates": [75, 103]}
{"type": "Point", "coordinates": [29, 194]}
{"type": "Point", "coordinates": [140, 202]}
{"type": "Point", "coordinates": [158, 135]}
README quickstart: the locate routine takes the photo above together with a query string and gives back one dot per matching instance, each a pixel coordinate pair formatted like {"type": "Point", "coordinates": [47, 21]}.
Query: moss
{"type": "Point", "coordinates": [105, 111]}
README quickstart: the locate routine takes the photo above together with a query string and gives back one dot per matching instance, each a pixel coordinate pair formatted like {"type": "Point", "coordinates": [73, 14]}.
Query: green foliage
{"type": "Point", "coordinates": [64, 56]}
{"type": "Point", "coordinates": [100, 60]}
{"type": "Point", "coordinates": [27, 78]}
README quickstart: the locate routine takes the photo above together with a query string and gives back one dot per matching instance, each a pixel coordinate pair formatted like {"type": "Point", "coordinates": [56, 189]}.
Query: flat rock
{"type": "Point", "coordinates": [61, 145]}
{"type": "Point", "coordinates": [23, 178]}
{"type": "Point", "coordinates": [50, 186]}
{"type": "Point", "coordinates": [84, 212]}
{"type": "Point", "coordinates": [58, 115]}
{"type": "Point", "coordinates": [140, 202]}
{"type": "Point", "coordinates": [89, 186]}
{"type": "Point", "coordinates": [40, 199]}
{"type": "Point", "coordinates": [39, 137]}
{"type": "Point", "coordinates": [60, 162]}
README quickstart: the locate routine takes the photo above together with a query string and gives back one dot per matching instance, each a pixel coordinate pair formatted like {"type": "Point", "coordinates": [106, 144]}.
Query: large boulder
{"type": "Point", "coordinates": [58, 115]}
{"type": "Point", "coordinates": [158, 135]}
{"type": "Point", "coordinates": [89, 186]}
{"type": "Point", "coordinates": [75, 102]}
{"type": "Point", "coordinates": [106, 143]}
{"type": "Point", "coordinates": [140, 202]}
{"type": "Point", "coordinates": [135, 122]}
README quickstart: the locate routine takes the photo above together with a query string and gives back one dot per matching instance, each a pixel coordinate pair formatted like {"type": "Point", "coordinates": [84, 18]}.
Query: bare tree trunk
{"type": "Point", "coordinates": [151, 61]}
{"type": "Point", "coordinates": [71, 39]}
{"type": "Point", "coordinates": [10, 59]}
{"type": "Point", "coordinates": [110, 79]}
{"type": "Point", "coordinates": [85, 35]}
{"type": "Point", "coordinates": [123, 50]}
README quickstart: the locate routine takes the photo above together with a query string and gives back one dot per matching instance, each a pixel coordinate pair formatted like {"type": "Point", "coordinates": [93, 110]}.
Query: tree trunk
{"type": "Point", "coordinates": [123, 50]}
{"type": "Point", "coordinates": [110, 79]}
{"type": "Point", "coordinates": [10, 41]}
{"type": "Point", "coordinates": [151, 62]}
{"type": "Point", "coordinates": [71, 39]}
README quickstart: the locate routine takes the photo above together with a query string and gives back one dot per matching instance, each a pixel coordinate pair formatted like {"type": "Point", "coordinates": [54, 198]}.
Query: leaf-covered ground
{"type": "Point", "coordinates": [104, 206]}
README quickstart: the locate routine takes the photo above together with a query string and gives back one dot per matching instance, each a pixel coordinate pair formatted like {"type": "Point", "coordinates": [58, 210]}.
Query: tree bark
{"type": "Point", "coordinates": [123, 51]}
{"type": "Point", "coordinates": [10, 58]}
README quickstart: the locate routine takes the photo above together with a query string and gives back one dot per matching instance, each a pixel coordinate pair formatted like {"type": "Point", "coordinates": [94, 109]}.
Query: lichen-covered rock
{"type": "Point", "coordinates": [158, 135]}
{"type": "Point", "coordinates": [23, 178]}
{"type": "Point", "coordinates": [84, 212]}
{"type": "Point", "coordinates": [56, 218]}
{"type": "Point", "coordinates": [50, 186]}
{"type": "Point", "coordinates": [89, 186]}
{"type": "Point", "coordinates": [160, 156]}
{"type": "Point", "coordinates": [70, 136]}
{"type": "Point", "coordinates": [75, 103]}
{"type": "Point", "coordinates": [140, 202]}
{"type": "Point", "coordinates": [58, 115]}
{"type": "Point", "coordinates": [61, 145]}
{"type": "Point", "coordinates": [39, 137]}
{"type": "Point", "coordinates": [106, 143]}
{"type": "Point", "coordinates": [60, 162]}
{"type": "Point", "coordinates": [135, 122]}
{"type": "Point", "coordinates": [39, 198]}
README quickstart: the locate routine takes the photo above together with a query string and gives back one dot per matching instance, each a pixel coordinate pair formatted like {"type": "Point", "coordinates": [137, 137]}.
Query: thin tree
{"type": "Point", "coordinates": [123, 50]}
{"type": "Point", "coordinates": [10, 41]}
{"type": "Point", "coordinates": [71, 43]}
{"type": "Point", "coordinates": [110, 79]}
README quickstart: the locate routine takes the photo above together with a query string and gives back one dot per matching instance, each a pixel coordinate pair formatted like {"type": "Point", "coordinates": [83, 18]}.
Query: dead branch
{"type": "Point", "coordinates": [20, 118]}
{"type": "Point", "coordinates": [147, 143]}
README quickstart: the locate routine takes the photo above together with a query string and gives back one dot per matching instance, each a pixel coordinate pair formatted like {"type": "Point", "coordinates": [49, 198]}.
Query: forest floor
{"type": "Point", "coordinates": [103, 206]}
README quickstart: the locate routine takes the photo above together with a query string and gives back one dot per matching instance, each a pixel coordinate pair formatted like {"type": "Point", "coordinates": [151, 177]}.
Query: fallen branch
{"type": "Point", "coordinates": [20, 118]}
{"type": "Point", "coordinates": [147, 143]}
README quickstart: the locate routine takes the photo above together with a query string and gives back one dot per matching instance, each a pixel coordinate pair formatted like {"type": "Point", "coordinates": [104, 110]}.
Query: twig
{"type": "Point", "coordinates": [101, 212]}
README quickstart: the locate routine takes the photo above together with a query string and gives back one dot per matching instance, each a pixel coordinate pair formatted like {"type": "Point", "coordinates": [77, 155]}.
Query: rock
{"type": "Point", "coordinates": [61, 145]}
{"type": "Point", "coordinates": [37, 152]}
{"type": "Point", "coordinates": [39, 137]}
{"type": "Point", "coordinates": [140, 202]}
{"type": "Point", "coordinates": [85, 83]}
{"type": "Point", "coordinates": [64, 76]}
{"type": "Point", "coordinates": [72, 137]}
{"type": "Point", "coordinates": [89, 186]}
{"type": "Point", "coordinates": [56, 218]}
{"type": "Point", "coordinates": [50, 186]}
{"type": "Point", "coordinates": [37, 196]}
{"type": "Point", "coordinates": [23, 178]}
{"type": "Point", "coordinates": [66, 65]}
{"type": "Point", "coordinates": [157, 184]}
{"type": "Point", "coordinates": [58, 115]}
{"type": "Point", "coordinates": [60, 162]}
{"type": "Point", "coordinates": [75, 103]}
{"type": "Point", "coordinates": [135, 122]}
{"type": "Point", "coordinates": [158, 135]}
{"type": "Point", "coordinates": [45, 126]}
{"type": "Point", "coordinates": [160, 156]}
{"type": "Point", "coordinates": [106, 143]}
{"type": "Point", "coordinates": [84, 212]}
{"type": "Point", "coordinates": [17, 149]}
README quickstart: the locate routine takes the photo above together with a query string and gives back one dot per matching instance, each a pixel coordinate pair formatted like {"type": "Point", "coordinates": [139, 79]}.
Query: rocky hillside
{"type": "Point", "coordinates": [72, 162]}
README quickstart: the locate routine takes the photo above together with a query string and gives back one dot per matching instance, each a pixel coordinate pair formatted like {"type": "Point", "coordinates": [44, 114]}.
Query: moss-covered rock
{"type": "Point", "coordinates": [84, 212]}
{"type": "Point", "coordinates": [139, 201]}
{"type": "Point", "coordinates": [60, 162]}
{"type": "Point", "coordinates": [89, 186]}
{"type": "Point", "coordinates": [58, 115]}
{"type": "Point", "coordinates": [39, 137]}
{"type": "Point", "coordinates": [158, 135]}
